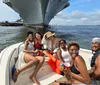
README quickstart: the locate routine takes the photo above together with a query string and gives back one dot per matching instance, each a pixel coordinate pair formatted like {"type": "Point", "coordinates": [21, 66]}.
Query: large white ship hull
{"type": "Point", "coordinates": [37, 11]}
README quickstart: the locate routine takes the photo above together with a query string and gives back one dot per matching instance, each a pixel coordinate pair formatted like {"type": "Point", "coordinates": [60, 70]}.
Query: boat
{"type": "Point", "coordinates": [9, 58]}
{"type": "Point", "coordinates": [37, 12]}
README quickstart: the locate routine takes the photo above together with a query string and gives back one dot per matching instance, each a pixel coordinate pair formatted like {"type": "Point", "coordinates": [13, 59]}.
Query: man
{"type": "Point", "coordinates": [95, 62]}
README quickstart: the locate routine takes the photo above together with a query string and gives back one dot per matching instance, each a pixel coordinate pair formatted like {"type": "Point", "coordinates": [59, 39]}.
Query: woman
{"type": "Point", "coordinates": [78, 71]}
{"type": "Point", "coordinates": [29, 58]}
{"type": "Point", "coordinates": [38, 39]}
{"type": "Point", "coordinates": [62, 53]}
{"type": "Point", "coordinates": [49, 41]}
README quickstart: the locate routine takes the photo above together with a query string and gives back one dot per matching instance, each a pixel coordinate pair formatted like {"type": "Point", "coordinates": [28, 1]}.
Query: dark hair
{"type": "Point", "coordinates": [30, 32]}
{"type": "Point", "coordinates": [39, 34]}
{"type": "Point", "coordinates": [62, 40]}
{"type": "Point", "coordinates": [73, 43]}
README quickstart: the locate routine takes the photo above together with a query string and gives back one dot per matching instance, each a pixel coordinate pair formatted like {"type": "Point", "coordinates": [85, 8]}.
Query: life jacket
{"type": "Point", "coordinates": [95, 55]}
{"type": "Point", "coordinates": [53, 62]}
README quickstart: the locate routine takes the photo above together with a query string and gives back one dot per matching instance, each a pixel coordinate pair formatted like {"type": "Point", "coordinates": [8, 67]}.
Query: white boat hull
{"type": "Point", "coordinates": [7, 60]}
{"type": "Point", "coordinates": [45, 74]}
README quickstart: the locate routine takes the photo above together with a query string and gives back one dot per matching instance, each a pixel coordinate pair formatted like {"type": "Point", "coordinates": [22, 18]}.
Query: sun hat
{"type": "Point", "coordinates": [49, 34]}
{"type": "Point", "coordinates": [96, 39]}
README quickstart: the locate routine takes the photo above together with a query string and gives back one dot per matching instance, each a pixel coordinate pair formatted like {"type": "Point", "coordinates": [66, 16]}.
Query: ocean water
{"type": "Point", "coordinates": [82, 34]}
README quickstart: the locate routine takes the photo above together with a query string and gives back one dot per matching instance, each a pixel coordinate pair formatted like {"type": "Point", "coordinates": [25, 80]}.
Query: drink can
{"type": "Point", "coordinates": [62, 66]}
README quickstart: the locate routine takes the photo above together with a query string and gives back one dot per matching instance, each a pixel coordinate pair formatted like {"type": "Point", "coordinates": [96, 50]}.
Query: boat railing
{"type": "Point", "coordinates": [1, 54]}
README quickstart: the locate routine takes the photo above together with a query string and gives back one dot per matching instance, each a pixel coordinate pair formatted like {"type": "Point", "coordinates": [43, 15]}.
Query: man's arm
{"type": "Point", "coordinates": [96, 73]}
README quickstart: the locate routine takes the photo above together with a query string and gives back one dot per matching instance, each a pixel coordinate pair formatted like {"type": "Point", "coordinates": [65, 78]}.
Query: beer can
{"type": "Point", "coordinates": [62, 66]}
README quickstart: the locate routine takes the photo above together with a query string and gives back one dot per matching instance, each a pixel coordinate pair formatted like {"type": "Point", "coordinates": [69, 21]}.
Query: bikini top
{"type": "Point", "coordinates": [38, 46]}
{"type": "Point", "coordinates": [74, 70]}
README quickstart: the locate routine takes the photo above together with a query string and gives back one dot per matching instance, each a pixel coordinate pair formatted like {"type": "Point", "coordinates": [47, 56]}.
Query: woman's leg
{"type": "Point", "coordinates": [33, 76]}
{"type": "Point", "coordinates": [30, 60]}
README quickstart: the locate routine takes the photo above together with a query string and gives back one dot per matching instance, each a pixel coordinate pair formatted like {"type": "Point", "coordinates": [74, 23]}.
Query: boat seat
{"type": "Point", "coordinates": [47, 79]}
{"type": "Point", "coordinates": [20, 62]}
{"type": "Point", "coordinates": [45, 72]}
{"type": "Point", "coordinates": [24, 76]}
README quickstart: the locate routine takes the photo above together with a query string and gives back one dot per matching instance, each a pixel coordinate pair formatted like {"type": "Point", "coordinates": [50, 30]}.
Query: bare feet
{"type": "Point", "coordinates": [33, 78]}
{"type": "Point", "coordinates": [16, 72]}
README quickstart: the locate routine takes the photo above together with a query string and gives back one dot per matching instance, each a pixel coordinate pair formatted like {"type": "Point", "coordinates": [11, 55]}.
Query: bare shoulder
{"type": "Point", "coordinates": [98, 58]}
{"type": "Point", "coordinates": [79, 59]}
{"type": "Point", "coordinates": [81, 65]}
{"type": "Point", "coordinates": [26, 43]}
{"type": "Point", "coordinates": [97, 62]}
{"type": "Point", "coordinates": [59, 50]}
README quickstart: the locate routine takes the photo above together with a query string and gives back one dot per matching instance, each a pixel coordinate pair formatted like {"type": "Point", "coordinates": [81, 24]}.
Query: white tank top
{"type": "Point", "coordinates": [30, 46]}
{"type": "Point", "coordinates": [48, 44]}
{"type": "Point", "coordinates": [65, 55]}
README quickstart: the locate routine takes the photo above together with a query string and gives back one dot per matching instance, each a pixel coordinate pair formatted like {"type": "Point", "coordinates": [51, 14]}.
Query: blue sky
{"type": "Point", "coordinates": [80, 12]}
{"type": "Point", "coordinates": [84, 5]}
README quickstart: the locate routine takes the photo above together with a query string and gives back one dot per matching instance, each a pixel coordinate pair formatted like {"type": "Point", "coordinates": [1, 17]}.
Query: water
{"type": "Point", "coordinates": [82, 34]}
{"type": "Point", "coordinates": [12, 35]}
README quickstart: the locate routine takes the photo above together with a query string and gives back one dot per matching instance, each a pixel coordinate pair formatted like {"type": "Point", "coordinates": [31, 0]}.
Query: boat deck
{"type": "Point", "coordinates": [45, 75]}
{"type": "Point", "coordinates": [86, 54]}
{"type": "Point", "coordinates": [46, 80]}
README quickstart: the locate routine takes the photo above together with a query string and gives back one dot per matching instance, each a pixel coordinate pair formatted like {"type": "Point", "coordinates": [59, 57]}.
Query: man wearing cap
{"type": "Point", "coordinates": [95, 62]}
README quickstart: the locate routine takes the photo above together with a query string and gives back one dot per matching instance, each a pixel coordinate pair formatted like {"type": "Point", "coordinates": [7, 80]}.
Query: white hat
{"type": "Point", "coordinates": [96, 39]}
{"type": "Point", "coordinates": [49, 34]}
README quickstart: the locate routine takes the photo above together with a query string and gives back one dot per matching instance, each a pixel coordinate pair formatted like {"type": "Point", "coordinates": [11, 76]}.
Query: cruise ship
{"type": "Point", "coordinates": [37, 12]}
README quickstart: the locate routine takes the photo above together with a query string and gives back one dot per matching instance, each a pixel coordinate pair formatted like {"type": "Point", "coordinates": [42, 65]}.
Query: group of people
{"type": "Point", "coordinates": [66, 53]}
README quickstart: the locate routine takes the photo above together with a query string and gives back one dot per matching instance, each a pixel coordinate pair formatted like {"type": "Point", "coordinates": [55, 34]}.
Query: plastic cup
{"type": "Point", "coordinates": [67, 65]}
{"type": "Point", "coordinates": [45, 47]}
